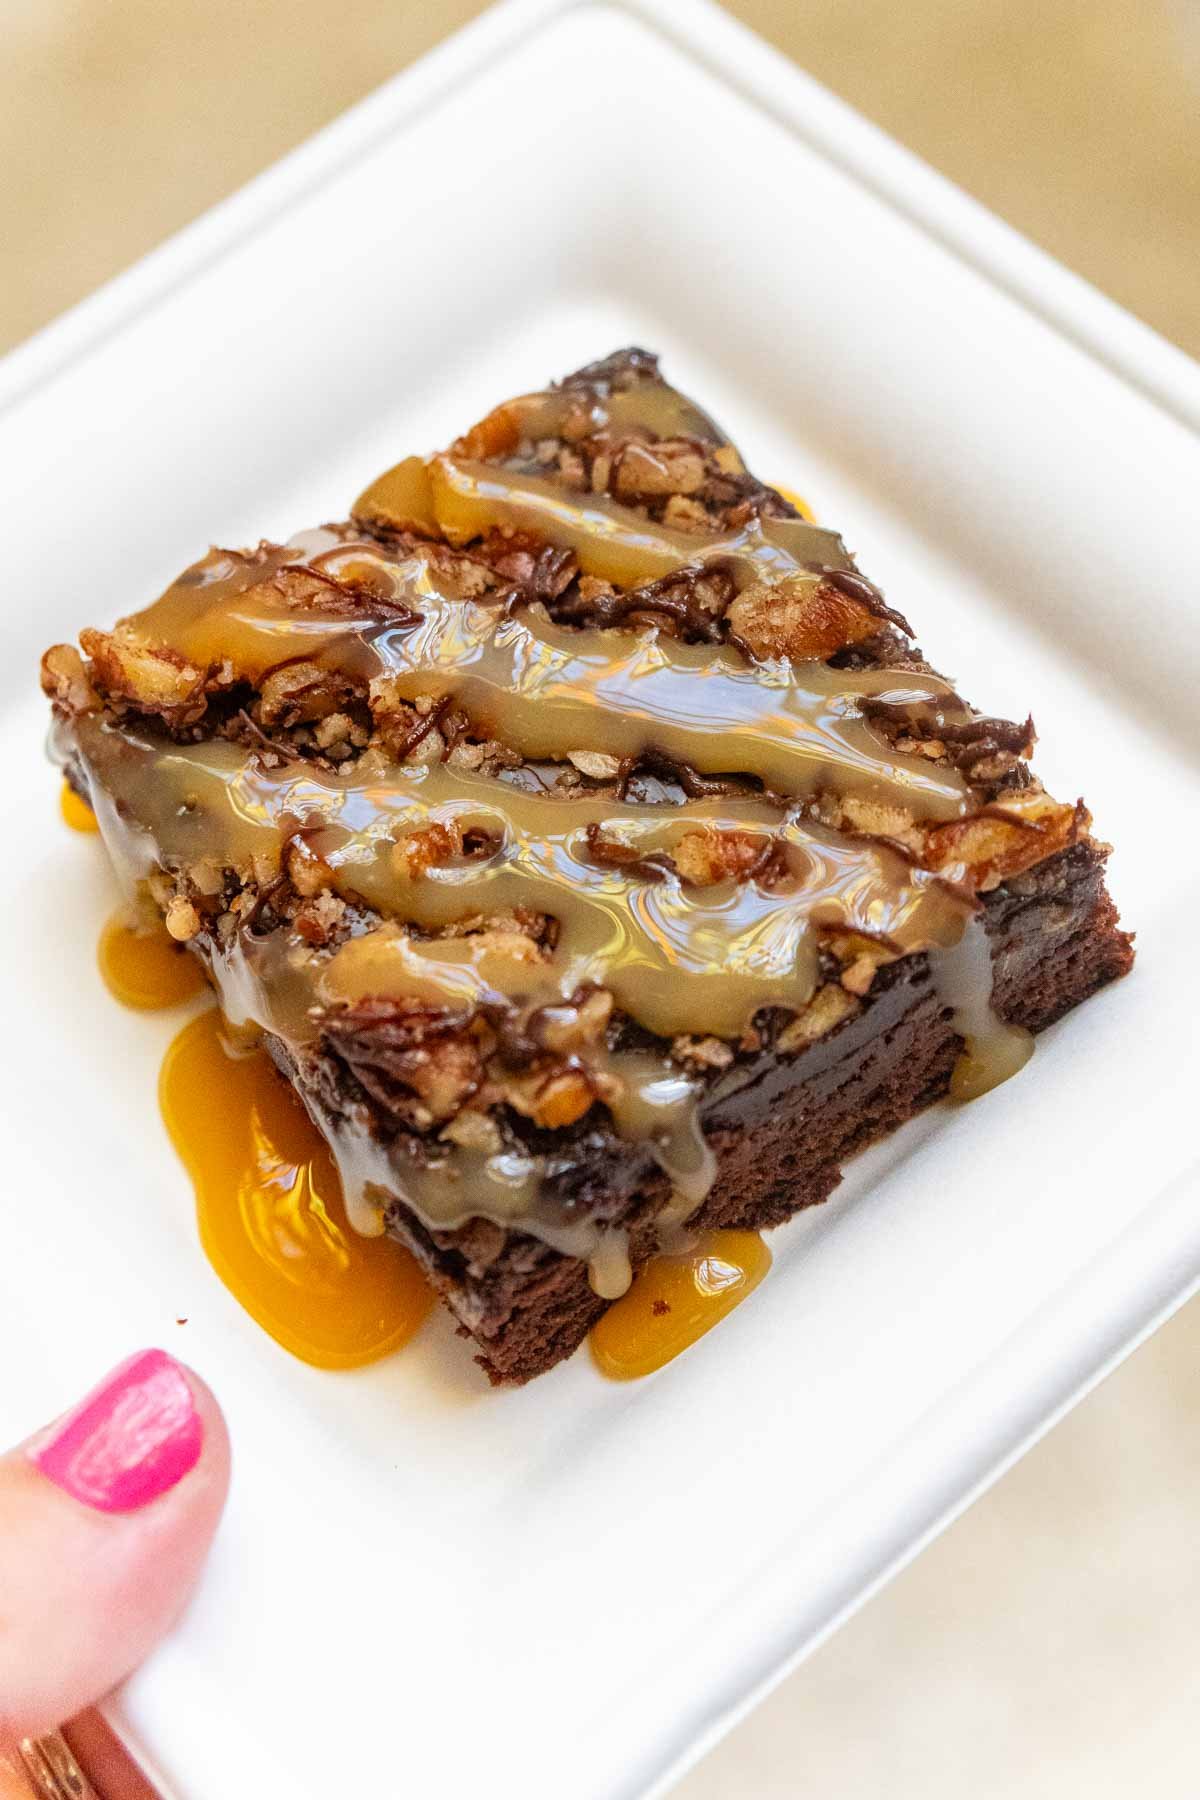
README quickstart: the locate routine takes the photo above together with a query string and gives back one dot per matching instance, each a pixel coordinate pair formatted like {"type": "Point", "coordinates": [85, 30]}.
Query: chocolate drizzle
{"type": "Point", "coordinates": [747, 752]}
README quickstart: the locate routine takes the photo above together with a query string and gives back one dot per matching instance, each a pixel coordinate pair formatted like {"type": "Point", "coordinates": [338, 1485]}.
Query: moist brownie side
{"type": "Point", "coordinates": [606, 534]}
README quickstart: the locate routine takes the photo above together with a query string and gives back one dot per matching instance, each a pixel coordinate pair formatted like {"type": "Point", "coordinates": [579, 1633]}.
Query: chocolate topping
{"type": "Point", "coordinates": [588, 589]}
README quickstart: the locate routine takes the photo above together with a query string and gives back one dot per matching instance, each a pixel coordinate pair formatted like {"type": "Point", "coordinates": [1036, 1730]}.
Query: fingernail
{"type": "Point", "coordinates": [134, 1436]}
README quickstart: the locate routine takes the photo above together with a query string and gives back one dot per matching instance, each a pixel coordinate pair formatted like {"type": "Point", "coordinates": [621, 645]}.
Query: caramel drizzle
{"type": "Point", "coordinates": [650, 406]}
{"type": "Point", "coordinates": [614, 542]}
{"type": "Point", "coordinates": [676, 959]}
{"type": "Point", "coordinates": [550, 689]}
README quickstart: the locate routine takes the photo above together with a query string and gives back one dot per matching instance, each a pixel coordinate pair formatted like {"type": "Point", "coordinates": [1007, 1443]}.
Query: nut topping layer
{"type": "Point", "coordinates": [578, 761]}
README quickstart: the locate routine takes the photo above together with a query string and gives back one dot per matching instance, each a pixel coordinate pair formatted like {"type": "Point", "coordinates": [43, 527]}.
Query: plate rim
{"type": "Point", "coordinates": [734, 55]}
{"type": "Point", "coordinates": [1127, 1291]}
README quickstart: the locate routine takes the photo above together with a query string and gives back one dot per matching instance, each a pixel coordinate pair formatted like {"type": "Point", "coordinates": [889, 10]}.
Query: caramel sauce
{"type": "Point", "coordinates": [654, 406]}
{"type": "Point", "coordinates": [801, 505]}
{"type": "Point", "coordinates": [993, 1050]}
{"type": "Point", "coordinates": [76, 812]}
{"type": "Point", "coordinates": [615, 542]}
{"type": "Point", "coordinates": [238, 605]}
{"type": "Point", "coordinates": [677, 959]}
{"type": "Point", "coordinates": [551, 689]}
{"type": "Point", "coordinates": [674, 1300]}
{"type": "Point", "coordinates": [143, 967]}
{"type": "Point", "coordinates": [270, 1209]}
{"type": "Point", "coordinates": [609, 1270]}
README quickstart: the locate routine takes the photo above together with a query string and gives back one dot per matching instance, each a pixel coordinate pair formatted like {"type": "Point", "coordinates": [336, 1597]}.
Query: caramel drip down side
{"type": "Point", "coordinates": [994, 1051]}
{"type": "Point", "coordinates": [677, 959]}
{"type": "Point", "coordinates": [407, 624]}
{"type": "Point", "coordinates": [270, 1210]}
{"type": "Point", "coordinates": [674, 1300]}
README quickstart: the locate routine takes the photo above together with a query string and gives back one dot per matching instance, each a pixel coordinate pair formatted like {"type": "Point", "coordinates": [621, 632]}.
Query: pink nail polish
{"type": "Point", "coordinates": [134, 1436]}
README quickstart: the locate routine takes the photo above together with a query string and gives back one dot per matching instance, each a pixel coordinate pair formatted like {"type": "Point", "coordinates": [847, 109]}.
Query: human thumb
{"type": "Point", "coordinates": [105, 1519]}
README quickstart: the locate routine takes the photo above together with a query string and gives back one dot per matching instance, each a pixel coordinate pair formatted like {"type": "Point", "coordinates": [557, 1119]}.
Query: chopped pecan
{"type": "Point", "coordinates": [577, 1022]}
{"type": "Point", "coordinates": [702, 1052]}
{"type": "Point", "coordinates": [857, 978]}
{"type": "Point", "coordinates": [614, 853]}
{"type": "Point", "coordinates": [691, 600]}
{"type": "Point", "coordinates": [152, 678]}
{"type": "Point", "coordinates": [572, 470]}
{"type": "Point", "coordinates": [806, 618]}
{"type": "Point", "coordinates": [429, 847]}
{"type": "Point", "coordinates": [540, 571]}
{"type": "Point", "coordinates": [597, 765]}
{"type": "Point", "coordinates": [876, 818]}
{"type": "Point", "coordinates": [339, 735]}
{"type": "Point", "coordinates": [829, 1006]}
{"type": "Point", "coordinates": [645, 471]}
{"type": "Point", "coordinates": [419, 1063]}
{"type": "Point", "coordinates": [565, 1028]}
{"type": "Point", "coordinates": [988, 751]}
{"type": "Point", "coordinates": [182, 919]}
{"type": "Point", "coordinates": [473, 1130]}
{"type": "Point", "coordinates": [498, 756]}
{"type": "Point", "coordinates": [986, 848]}
{"type": "Point", "coordinates": [683, 513]}
{"type": "Point", "coordinates": [520, 941]}
{"type": "Point", "coordinates": [320, 919]}
{"type": "Point", "coordinates": [207, 876]}
{"type": "Point", "coordinates": [65, 680]}
{"type": "Point", "coordinates": [309, 873]}
{"type": "Point", "coordinates": [553, 1097]}
{"type": "Point", "coordinates": [562, 1100]}
{"type": "Point", "coordinates": [298, 693]}
{"type": "Point", "coordinates": [707, 856]}
{"type": "Point", "coordinates": [407, 730]}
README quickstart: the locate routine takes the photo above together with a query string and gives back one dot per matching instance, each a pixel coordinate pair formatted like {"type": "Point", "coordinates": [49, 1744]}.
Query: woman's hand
{"type": "Point", "coordinates": [105, 1519]}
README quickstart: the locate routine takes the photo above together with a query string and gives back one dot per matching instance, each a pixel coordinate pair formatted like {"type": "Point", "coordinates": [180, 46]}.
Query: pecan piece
{"type": "Point", "coordinates": [652, 471]}
{"type": "Point", "coordinates": [151, 677]}
{"type": "Point", "coordinates": [419, 1063]}
{"type": "Point", "coordinates": [429, 847]}
{"type": "Point", "coordinates": [827, 1008]}
{"type": "Point", "coordinates": [806, 618]}
{"type": "Point", "coordinates": [65, 680]}
{"type": "Point", "coordinates": [996, 843]}
{"type": "Point", "coordinates": [707, 856]}
{"type": "Point", "coordinates": [299, 693]}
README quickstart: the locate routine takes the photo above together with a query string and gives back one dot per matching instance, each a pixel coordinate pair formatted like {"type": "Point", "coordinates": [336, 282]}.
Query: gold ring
{"type": "Point", "coordinates": [53, 1770]}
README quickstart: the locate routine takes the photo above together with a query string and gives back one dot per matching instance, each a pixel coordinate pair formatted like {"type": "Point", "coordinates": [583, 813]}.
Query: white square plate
{"type": "Point", "coordinates": [422, 1586]}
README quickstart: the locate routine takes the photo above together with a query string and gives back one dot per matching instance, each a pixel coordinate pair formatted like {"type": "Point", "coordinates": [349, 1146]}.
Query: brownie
{"type": "Point", "coordinates": [596, 852]}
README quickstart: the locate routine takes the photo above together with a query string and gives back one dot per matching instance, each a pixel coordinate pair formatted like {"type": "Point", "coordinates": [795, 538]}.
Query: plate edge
{"type": "Point", "coordinates": [1128, 348]}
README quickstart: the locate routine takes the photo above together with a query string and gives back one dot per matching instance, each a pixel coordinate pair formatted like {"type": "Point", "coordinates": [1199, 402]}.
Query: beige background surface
{"type": "Point", "coordinates": [1049, 1644]}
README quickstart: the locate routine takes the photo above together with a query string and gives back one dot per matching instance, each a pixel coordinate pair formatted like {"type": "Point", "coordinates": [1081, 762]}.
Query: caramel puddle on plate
{"type": "Point", "coordinates": [144, 967]}
{"type": "Point", "coordinates": [76, 812]}
{"type": "Point", "coordinates": [674, 1300]}
{"type": "Point", "coordinates": [286, 1252]}
{"type": "Point", "coordinates": [801, 506]}
{"type": "Point", "coordinates": [270, 1210]}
